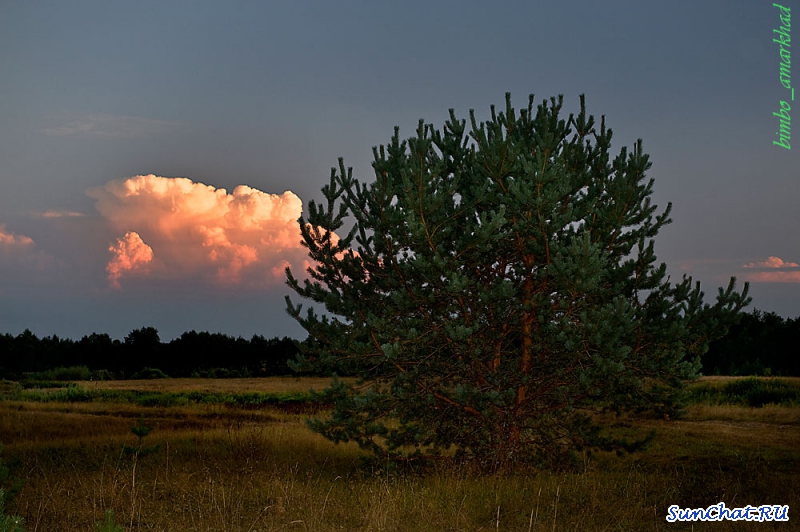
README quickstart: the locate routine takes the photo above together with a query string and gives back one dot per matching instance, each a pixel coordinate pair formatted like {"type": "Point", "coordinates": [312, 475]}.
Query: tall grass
{"type": "Point", "coordinates": [753, 392]}
{"type": "Point", "coordinates": [228, 466]}
{"type": "Point", "coordinates": [79, 394]}
{"type": "Point", "coordinates": [284, 478]}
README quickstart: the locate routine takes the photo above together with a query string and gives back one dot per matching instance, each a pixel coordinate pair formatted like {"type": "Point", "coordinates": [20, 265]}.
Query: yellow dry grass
{"type": "Point", "coordinates": [772, 414]}
{"type": "Point", "coordinates": [265, 385]}
{"type": "Point", "coordinates": [226, 469]}
{"type": "Point", "coordinates": [723, 379]}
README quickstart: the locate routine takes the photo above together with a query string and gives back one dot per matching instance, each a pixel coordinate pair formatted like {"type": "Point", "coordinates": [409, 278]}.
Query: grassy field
{"type": "Point", "coordinates": [231, 466]}
{"type": "Point", "coordinates": [264, 385]}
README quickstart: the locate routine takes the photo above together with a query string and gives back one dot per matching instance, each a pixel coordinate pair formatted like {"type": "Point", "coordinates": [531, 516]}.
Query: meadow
{"type": "Point", "coordinates": [234, 455]}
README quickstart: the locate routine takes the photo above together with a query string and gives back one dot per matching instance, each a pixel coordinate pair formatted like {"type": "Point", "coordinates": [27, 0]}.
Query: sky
{"type": "Point", "coordinates": [155, 156]}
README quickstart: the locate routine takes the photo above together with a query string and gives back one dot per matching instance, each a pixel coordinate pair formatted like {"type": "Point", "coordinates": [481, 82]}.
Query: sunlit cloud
{"type": "Point", "coordinates": [774, 277]}
{"type": "Point", "coordinates": [60, 214]}
{"type": "Point", "coordinates": [108, 126]}
{"type": "Point", "coordinates": [22, 251]}
{"type": "Point", "coordinates": [10, 241]}
{"type": "Point", "coordinates": [131, 254]}
{"type": "Point", "coordinates": [772, 262]}
{"type": "Point", "coordinates": [192, 230]}
{"type": "Point", "coordinates": [777, 271]}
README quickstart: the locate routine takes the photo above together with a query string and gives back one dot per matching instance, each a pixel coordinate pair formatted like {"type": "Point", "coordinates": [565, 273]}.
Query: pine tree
{"type": "Point", "coordinates": [497, 287]}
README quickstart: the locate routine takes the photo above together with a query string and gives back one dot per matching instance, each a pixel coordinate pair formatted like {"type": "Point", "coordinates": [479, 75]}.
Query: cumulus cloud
{"type": "Point", "coordinates": [777, 271]}
{"type": "Point", "coordinates": [131, 254]}
{"type": "Point", "coordinates": [9, 241]}
{"type": "Point", "coordinates": [22, 251]}
{"type": "Point", "coordinates": [195, 230]}
{"type": "Point", "coordinates": [772, 262]}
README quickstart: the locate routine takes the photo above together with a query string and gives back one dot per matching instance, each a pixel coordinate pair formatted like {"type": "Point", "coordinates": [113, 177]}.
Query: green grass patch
{"type": "Point", "coordinates": [9, 389]}
{"type": "Point", "coordinates": [72, 373]}
{"type": "Point", "coordinates": [753, 392]}
{"type": "Point", "coordinates": [80, 394]}
{"type": "Point", "coordinates": [37, 384]}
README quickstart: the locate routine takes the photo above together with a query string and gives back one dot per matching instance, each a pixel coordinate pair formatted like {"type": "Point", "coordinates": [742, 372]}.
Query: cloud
{"type": "Point", "coordinates": [22, 251]}
{"type": "Point", "coordinates": [786, 272]}
{"type": "Point", "coordinates": [772, 262]}
{"type": "Point", "coordinates": [60, 214]}
{"type": "Point", "coordinates": [130, 254]}
{"type": "Point", "coordinates": [108, 126]}
{"type": "Point", "coordinates": [10, 241]}
{"type": "Point", "coordinates": [246, 237]}
{"type": "Point", "coordinates": [774, 277]}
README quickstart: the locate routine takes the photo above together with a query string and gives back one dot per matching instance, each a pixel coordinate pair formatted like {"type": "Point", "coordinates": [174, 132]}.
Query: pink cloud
{"type": "Point", "coordinates": [10, 241]}
{"type": "Point", "coordinates": [131, 254]}
{"type": "Point", "coordinates": [60, 214]}
{"type": "Point", "coordinates": [245, 237]}
{"type": "Point", "coordinates": [786, 273]}
{"type": "Point", "coordinates": [772, 262]}
{"type": "Point", "coordinates": [22, 251]}
{"type": "Point", "coordinates": [774, 277]}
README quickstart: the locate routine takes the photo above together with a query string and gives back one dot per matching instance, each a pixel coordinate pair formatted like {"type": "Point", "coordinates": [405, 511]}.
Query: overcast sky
{"type": "Point", "coordinates": [103, 104]}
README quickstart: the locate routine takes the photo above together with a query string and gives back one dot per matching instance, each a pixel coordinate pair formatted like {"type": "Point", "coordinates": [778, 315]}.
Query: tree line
{"type": "Point", "coordinates": [762, 343]}
{"type": "Point", "coordinates": [142, 351]}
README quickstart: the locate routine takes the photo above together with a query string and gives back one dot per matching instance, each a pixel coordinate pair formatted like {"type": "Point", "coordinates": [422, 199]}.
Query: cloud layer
{"type": "Point", "coordinates": [175, 228]}
{"type": "Point", "coordinates": [21, 251]}
{"type": "Point", "coordinates": [60, 214]}
{"type": "Point", "coordinates": [772, 262]}
{"type": "Point", "coordinates": [10, 242]}
{"type": "Point", "coordinates": [777, 271]}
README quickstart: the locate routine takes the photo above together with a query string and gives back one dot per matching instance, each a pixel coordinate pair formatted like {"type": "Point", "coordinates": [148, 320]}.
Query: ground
{"type": "Point", "coordinates": [217, 466]}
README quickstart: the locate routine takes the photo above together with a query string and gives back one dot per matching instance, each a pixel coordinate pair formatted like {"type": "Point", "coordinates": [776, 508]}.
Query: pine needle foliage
{"type": "Point", "coordinates": [9, 523]}
{"type": "Point", "coordinates": [498, 286]}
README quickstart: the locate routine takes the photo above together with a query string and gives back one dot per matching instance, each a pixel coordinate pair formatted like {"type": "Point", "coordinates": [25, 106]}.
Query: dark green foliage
{"type": "Point", "coordinates": [9, 389]}
{"type": "Point", "coordinates": [9, 523]}
{"type": "Point", "coordinates": [150, 373]}
{"type": "Point", "coordinates": [762, 343]}
{"type": "Point", "coordinates": [43, 385]}
{"type": "Point", "coordinates": [9, 488]}
{"type": "Point", "coordinates": [72, 373]}
{"type": "Point", "coordinates": [141, 431]}
{"type": "Point", "coordinates": [70, 394]}
{"type": "Point", "coordinates": [108, 524]}
{"type": "Point", "coordinates": [498, 285]}
{"type": "Point", "coordinates": [102, 375]}
{"type": "Point", "coordinates": [98, 357]}
{"type": "Point", "coordinates": [220, 373]}
{"type": "Point", "coordinates": [748, 392]}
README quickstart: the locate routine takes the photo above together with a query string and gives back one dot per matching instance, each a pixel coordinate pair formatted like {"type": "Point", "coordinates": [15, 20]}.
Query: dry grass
{"type": "Point", "coordinates": [285, 384]}
{"type": "Point", "coordinates": [265, 385]}
{"type": "Point", "coordinates": [243, 470]}
{"type": "Point", "coordinates": [723, 379]}
{"type": "Point", "coordinates": [773, 414]}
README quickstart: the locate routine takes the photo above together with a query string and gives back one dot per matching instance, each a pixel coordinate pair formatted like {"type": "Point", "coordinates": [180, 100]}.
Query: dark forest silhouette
{"type": "Point", "coordinates": [192, 354]}
{"type": "Point", "coordinates": [762, 343]}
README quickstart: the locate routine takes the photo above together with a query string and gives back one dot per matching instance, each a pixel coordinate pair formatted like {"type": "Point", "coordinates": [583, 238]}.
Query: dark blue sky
{"type": "Point", "coordinates": [269, 94]}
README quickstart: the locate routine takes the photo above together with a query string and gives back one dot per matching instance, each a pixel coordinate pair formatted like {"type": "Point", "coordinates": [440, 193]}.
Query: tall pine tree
{"type": "Point", "coordinates": [497, 287]}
